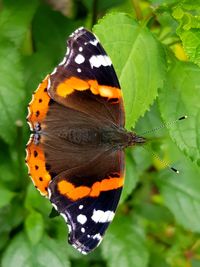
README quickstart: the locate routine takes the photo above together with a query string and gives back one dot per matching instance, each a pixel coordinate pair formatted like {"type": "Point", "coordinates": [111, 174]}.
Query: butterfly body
{"type": "Point", "coordinates": [75, 154]}
{"type": "Point", "coordinates": [111, 137]}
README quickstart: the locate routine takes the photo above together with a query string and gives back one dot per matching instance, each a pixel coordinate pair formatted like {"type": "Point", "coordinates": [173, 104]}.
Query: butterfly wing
{"type": "Point", "coordinates": [87, 72]}
{"type": "Point", "coordinates": [84, 182]}
{"type": "Point", "coordinates": [87, 198]}
{"type": "Point", "coordinates": [35, 157]}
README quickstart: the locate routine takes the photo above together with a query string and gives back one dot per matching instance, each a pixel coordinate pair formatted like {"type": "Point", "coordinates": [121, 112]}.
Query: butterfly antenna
{"type": "Point", "coordinates": [161, 160]}
{"type": "Point", "coordinates": [165, 125]}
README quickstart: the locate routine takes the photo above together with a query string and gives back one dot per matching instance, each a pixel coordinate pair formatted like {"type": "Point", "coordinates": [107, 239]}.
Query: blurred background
{"type": "Point", "coordinates": [157, 221]}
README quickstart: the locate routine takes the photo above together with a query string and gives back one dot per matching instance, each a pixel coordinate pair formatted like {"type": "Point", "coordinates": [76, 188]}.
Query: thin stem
{"type": "Point", "coordinates": [94, 12]}
{"type": "Point", "coordinates": [137, 8]}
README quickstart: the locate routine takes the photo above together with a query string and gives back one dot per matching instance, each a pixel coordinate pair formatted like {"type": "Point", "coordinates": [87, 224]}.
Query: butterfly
{"type": "Point", "coordinates": [75, 154]}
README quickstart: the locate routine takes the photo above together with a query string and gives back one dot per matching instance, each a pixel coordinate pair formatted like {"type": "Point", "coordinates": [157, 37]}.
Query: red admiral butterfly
{"type": "Point", "coordinates": [75, 154]}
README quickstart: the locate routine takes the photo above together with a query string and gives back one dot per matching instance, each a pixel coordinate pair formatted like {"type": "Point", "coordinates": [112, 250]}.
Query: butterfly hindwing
{"type": "Point", "coordinates": [88, 197]}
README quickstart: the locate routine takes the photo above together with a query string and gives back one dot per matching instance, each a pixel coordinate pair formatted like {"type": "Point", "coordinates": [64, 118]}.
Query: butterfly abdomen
{"type": "Point", "coordinates": [107, 136]}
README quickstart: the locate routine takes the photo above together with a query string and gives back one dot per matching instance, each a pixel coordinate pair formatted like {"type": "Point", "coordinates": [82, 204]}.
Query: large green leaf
{"type": "Point", "coordinates": [181, 97]}
{"type": "Point", "coordinates": [34, 226]}
{"type": "Point", "coordinates": [124, 245]}
{"type": "Point", "coordinates": [47, 24]}
{"type": "Point", "coordinates": [11, 216]}
{"type": "Point", "coordinates": [181, 193]}
{"type": "Point", "coordinates": [20, 253]}
{"type": "Point", "coordinates": [138, 59]}
{"type": "Point", "coordinates": [15, 19]}
{"type": "Point", "coordinates": [11, 90]}
{"type": "Point", "coordinates": [5, 196]}
{"type": "Point", "coordinates": [34, 200]}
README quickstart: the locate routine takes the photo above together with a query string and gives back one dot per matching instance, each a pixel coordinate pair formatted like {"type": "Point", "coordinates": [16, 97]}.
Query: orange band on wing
{"type": "Point", "coordinates": [74, 193]}
{"type": "Point", "coordinates": [70, 85]}
{"type": "Point", "coordinates": [38, 106]}
{"type": "Point", "coordinates": [35, 161]}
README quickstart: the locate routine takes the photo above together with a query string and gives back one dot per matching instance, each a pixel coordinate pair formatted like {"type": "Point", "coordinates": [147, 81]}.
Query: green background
{"type": "Point", "coordinates": [155, 49]}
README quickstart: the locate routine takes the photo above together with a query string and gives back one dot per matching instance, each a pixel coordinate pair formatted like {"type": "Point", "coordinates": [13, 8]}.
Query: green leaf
{"type": "Point", "coordinates": [34, 200]}
{"type": "Point", "coordinates": [142, 158]}
{"type": "Point", "coordinates": [181, 193]}
{"type": "Point", "coordinates": [7, 175]}
{"type": "Point", "coordinates": [11, 93]}
{"type": "Point", "coordinates": [151, 125]}
{"type": "Point", "coordinates": [34, 226]}
{"type": "Point", "coordinates": [181, 97]}
{"type": "Point", "coordinates": [5, 196]}
{"type": "Point", "coordinates": [11, 216]}
{"type": "Point", "coordinates": [191, 44]}
{"type": "Point", "coordinates": [131, 177]}
{"type": "Point", "coordinates": [4, 240]}
{"type": "Point", "coordinates": [103, 4]}
{"type": "Point", "coordinates": [15, 19]}
{"type": "Point", "coordinates": [189, 31]}
{"type": "Point", "coordinates": [155, 213]}
{"type": "Point", "coordinates": [123, 245]}
{"type": "Point", "coordinates": [157, 260]}
{"type": "Point", "coordinates": [48, 23]}
{"type": "Point", "coordinates": [20, 253]}
{"type": "Point", "coordinates": [191, 4]}
{"type": "Point", "coordinates": [138, 59]}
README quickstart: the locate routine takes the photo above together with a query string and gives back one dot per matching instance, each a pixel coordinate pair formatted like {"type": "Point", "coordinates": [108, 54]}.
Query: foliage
{"type": "Point", "coordinates": [155, 48]}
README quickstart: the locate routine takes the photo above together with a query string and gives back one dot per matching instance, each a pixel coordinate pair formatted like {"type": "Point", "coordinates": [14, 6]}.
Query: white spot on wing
{"type": "Point", "coordinates": [78, 70]}
{"type": "Point", "coordinates": [94, 42]}
{"type": "Point", "coordinates": [81, 219]}
{"type": "Point", "coordinates": [80, 49]}
{"type": "Point", "coordinates": [83, 230]}
{"type": "Point", "coordinates": [79, 249]}
{"type": "Point", "coordinates": [100, 60]}
{"type": "Point", "coordinates": [100, 216]}
{"type": "Point", "coordinates": [80, 207]}
{"type": "Point", "coordinates": [97, 236]}
{"type": "Point", "coordinates": [79, 59]}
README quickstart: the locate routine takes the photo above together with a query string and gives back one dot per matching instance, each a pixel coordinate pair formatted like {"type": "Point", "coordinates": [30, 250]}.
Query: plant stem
{"type": "Point", "coordinates": [137, 8]}
{"type": "Point", "coordinates": [94, 12]}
